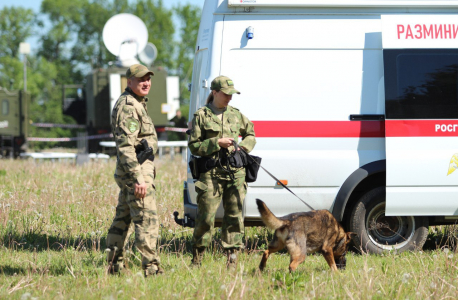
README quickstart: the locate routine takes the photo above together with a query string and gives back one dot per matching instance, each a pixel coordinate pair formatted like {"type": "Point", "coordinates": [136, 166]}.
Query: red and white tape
{"type": "Point", "coordinates": [175, 129]}
{"type": "Point", "coordinates": [52, 125]}
{"type": "Point", "coordinates": [91, 137]}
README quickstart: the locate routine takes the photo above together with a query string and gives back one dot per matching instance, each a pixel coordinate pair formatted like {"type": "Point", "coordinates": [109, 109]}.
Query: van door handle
{"type": "Point", "coordinates": [367, 117]}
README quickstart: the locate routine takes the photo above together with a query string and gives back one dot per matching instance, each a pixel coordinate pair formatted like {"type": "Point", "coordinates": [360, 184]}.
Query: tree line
{"type": "Point", "coordinates": [70, 45]}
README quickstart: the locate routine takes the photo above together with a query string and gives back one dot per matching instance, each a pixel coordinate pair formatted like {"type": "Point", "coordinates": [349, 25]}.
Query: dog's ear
{"type": "Point", "coordinates": [349, 236]}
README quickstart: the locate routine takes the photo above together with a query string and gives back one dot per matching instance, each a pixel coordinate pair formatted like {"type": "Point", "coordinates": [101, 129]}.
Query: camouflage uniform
{"type": "Point", "coordinates": [216, 184]}
{"type": "Point", "coordinates": [130, 124]}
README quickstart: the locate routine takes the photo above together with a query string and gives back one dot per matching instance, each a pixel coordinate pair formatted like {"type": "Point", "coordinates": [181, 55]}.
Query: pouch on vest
{"type": "Point", "coordinates": [199, 165]}
{"type": "Point", "coordinates": [193, 167]}
{"type": "Point", "coordinates": [252, 168]}
{"type": "Point", "coordinates": [250, 162]}
{"type": "Point", "coordinates": [144, 152]}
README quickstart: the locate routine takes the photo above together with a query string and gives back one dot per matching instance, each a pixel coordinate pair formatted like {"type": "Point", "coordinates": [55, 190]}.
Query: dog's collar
{"type": "Point", "coordinates": [340, 243]}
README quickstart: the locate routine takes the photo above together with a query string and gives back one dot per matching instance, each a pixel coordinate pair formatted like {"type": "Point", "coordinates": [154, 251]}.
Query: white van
{"type": "Point", "coordinates": [354, 103]}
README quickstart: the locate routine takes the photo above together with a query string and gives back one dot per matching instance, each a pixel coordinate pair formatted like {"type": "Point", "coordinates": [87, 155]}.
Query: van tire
{"type": "Point", "coordinates": [404, 233]}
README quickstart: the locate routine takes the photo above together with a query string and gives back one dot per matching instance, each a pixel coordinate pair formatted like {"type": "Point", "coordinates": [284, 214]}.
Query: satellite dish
{"type": "Point", "coordinates": [125, 36]}
{"type": "Point", "coordinates": [149, 54]}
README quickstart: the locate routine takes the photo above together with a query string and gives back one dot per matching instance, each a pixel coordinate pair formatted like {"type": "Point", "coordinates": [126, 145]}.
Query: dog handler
{"type": "Point", "coordinates": [130, 124]}
{"type": "Point", "coordinates": [214, 127]}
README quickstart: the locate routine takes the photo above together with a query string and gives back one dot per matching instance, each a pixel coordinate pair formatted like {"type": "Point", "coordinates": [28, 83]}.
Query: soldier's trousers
{"type": "Point", "coordinates": [210, 191]}
{"type": "Point", "coordinates": [142, 212]}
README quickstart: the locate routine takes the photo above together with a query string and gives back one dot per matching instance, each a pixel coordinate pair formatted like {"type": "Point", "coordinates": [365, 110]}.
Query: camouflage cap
{"type": "Point", "coordinates": [138, 71]}
{"type": "Point", "coordinates": [224, 84]}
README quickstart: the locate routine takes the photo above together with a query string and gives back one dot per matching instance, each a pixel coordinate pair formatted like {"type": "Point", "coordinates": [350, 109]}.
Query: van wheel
{"type": "Point", "coordinates": [376, 232]}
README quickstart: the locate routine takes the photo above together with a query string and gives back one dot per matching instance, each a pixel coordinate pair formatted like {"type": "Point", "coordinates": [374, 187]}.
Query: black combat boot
{"type": "Point", "coordinates": [197, 255]}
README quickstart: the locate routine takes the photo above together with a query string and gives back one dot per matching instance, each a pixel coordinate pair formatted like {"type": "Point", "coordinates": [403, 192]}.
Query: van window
{"type": "Point", "coordinates": [5, 107]}
{"type": "Point", "coordinates": [421, 83]}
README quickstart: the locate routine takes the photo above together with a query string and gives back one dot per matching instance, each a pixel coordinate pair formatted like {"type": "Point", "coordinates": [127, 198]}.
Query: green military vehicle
{"type": "Point", "coordinates": [103, 88]}
{"type": "Point", "coordinates": [13, 121]}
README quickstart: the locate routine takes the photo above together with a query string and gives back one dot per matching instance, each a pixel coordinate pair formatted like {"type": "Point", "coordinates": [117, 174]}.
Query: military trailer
{"type": "Point", "coordinates": [13, 121]}
{"type": "Point", "coordinates": [104, 86]}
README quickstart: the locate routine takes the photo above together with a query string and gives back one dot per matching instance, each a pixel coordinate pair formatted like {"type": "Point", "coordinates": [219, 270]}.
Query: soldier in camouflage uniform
{"type": "Point", "coordinates": [130, 124]}
{"type": "Point", "coordinates": [216, 126]}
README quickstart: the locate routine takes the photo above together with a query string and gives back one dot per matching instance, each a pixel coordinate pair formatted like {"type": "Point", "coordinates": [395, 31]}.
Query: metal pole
{"type": "Point", "coordinates": [25, 72]}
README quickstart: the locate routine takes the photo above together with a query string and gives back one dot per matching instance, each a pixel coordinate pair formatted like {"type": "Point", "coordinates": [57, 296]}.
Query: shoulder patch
{"type": "Point", "coordinates": [132, 124]}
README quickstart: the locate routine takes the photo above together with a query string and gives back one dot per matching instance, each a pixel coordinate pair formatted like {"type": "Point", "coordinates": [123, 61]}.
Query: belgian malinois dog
{"type": "Point", "coordinates": [305, 233]}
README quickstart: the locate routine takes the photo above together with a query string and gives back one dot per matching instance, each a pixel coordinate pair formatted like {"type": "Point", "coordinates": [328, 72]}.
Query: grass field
{"type": "Point", "coordinates": [54, 219]}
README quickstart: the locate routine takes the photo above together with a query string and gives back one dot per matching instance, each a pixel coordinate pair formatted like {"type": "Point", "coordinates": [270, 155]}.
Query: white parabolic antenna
{"type": "Point", "coordinates": [149, 54]}
{"type": "Point", "coordinates": [125, 36]}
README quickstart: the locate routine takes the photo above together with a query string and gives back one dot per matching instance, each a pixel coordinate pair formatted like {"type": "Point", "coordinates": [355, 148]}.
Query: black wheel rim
{"type": "Point", "coordinates": [389, 232]}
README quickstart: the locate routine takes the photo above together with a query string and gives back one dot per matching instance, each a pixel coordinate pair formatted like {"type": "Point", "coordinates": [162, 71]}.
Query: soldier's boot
{"type": "Point", "coordinates": [116, 264]}
{"type": "Point", "coordinates": [197, 256]}
{"type": "Point", "coordinates": [160, 271]}
{"type": "Point", "coordinates": [115, 268]}
{"type": "Point", "coordinates": [232, 257]}
{"type": "Point", "coordinates": [153, 270]}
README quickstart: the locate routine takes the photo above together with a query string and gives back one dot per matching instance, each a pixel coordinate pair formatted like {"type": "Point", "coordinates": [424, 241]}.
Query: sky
{"type": "Point", "coordinates": [35, 6]}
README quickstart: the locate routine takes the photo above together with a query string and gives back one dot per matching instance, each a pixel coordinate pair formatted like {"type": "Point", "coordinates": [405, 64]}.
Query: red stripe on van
{"type": "Point", "coordinates": [406, 128]}
{"type": "Point", "coordinates": [319, 128]}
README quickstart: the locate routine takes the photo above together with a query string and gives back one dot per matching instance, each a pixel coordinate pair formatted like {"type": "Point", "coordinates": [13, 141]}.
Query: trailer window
{"type": "Point", "coordinates": [421, 83]}
{"type": "Point", "coordinates": [5, 107]}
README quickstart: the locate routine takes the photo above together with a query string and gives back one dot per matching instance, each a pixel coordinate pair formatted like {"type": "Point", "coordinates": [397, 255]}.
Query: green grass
{"type": "Point", "coordinates": [54, 219]}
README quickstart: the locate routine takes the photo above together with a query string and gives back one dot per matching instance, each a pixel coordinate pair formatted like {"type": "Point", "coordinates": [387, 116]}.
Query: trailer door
{"type": "Point", "coordinates": [421, 111]}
